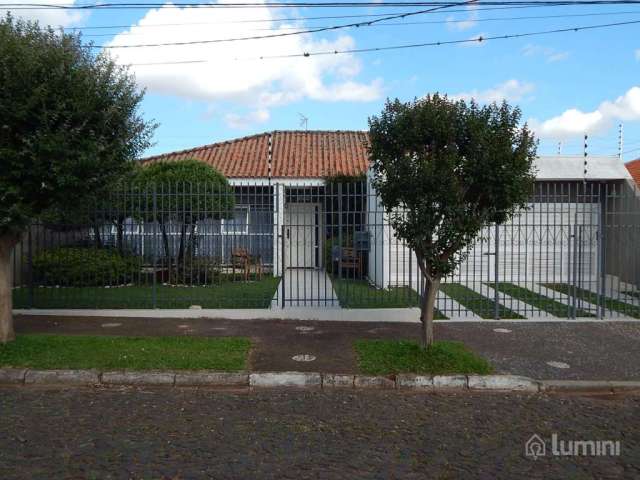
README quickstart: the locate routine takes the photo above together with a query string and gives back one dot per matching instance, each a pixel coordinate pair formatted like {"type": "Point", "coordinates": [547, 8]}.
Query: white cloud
{"type": "Point", "coordinates": [234, 120]}
{"type": "Point", "coordinates": [459, 25]}
{"type": "Point", "coordinates": [557, 57]}
{"type": "Point", "coordinates": [550, 54]}
{"type": "Point", "coordinates": [512, 90]}
{"type": "Point", "coordinates": [233, 71]}
{"type": "Point", "coordinates": [574, 122]}
{"type": "Point", "coordinates": [638, 54]}
{"type": "Point", "coordinates": [53, 17]}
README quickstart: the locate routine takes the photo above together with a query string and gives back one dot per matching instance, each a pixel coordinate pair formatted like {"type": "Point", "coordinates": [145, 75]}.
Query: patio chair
{"type": "Point", "coordinates": [255, 261]}
{"type": "Point", "coordinates": [240, 260]}
{"type": "Point", "coordinates": [351, 259]}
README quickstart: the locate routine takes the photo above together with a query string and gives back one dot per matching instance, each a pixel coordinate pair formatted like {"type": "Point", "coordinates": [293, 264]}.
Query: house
{"type": "Point", "coordinates": [634, 169]}
{"type": "Point", "coordinates": [279, 178]}
{"type": "Point", "coordinates": [290, 213]}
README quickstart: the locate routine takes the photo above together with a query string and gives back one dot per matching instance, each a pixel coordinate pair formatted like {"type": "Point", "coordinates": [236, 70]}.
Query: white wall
{"type": "Point", "coordinates": [537, 245]}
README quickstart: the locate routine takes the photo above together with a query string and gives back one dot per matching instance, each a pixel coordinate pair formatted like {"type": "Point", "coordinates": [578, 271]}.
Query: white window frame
{"type": "Point", "coordinates": [245, 229]}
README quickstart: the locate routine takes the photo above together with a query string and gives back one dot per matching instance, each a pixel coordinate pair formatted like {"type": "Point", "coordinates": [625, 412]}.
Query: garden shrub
{"type": "Point", "coordinates": [80, 267]}
{"type": "Point", "coordinates": [199, 271]}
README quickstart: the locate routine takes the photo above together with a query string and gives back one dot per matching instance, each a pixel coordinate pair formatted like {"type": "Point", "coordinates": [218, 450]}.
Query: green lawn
{"type": "Point", "coordinates": [478, 304]}
{"type": "Point", "coordinates": [253, 294]}
{"type": "Point", "coordinates": [134, 353]}
{"type": "Point", "coordinates": [547, 304]}
{"type": "Point", "coordinates": [384, 357]}
{"type": "Point", "coordinates": [591, 297]}
{"type": "Point", "coordinates": [360, 294]}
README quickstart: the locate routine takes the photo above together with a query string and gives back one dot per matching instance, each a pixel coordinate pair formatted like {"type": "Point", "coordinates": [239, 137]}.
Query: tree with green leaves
{"type": "Point", "coordinates": [69, 125]}
{"type": "Point", "coordinates": [186, 191]}
{"type": "Point", "coordinates": [445, 170]}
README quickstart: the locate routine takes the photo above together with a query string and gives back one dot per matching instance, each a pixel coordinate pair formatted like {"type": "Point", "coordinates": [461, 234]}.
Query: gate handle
{"type": "Point", "coordinates": [287, 234]}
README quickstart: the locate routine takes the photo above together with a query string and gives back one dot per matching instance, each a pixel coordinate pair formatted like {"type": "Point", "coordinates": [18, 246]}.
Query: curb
{"type": "Point", "coordinates": [316, 380]}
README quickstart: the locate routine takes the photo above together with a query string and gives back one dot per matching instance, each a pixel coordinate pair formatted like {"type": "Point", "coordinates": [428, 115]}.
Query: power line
{"type": "Point", "coordinates": [408, 46]}
{"type": "Point", "coordinates": [400, 24]}
{"type": "Point", "coordinates": [125, 6]}
{"type": "Point", "coordinates": [291, 19]}
{"type": "Point", "coordinates": [285, 34]}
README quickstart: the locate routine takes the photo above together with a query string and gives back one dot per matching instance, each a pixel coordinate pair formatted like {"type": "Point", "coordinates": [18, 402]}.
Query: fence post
{"type": "Point", "coordinates": [154, 290]}
{"type": "Point", "coordinates": [282, 259]}
{"type": "Point", "coordinates": [340, 229]}
{"type": "Point", "coordinates": [30, 266]}
{"type": "Point", "coordinates": [576, 258]}
{"type": "Point", "coordinates": [496, 262]}
{"type": "Point", "coordinates": [602, 250]}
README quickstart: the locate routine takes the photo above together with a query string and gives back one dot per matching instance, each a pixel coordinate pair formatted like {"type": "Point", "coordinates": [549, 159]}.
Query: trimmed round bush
{"type": "Point", "coordinates": [82, 267]}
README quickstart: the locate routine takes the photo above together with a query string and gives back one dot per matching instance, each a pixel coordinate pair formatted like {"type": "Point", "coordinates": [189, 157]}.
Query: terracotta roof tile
{"type": "Point", "coordinates": [297, 154]}
{"type": "Point", "coordinates": [634, 169]}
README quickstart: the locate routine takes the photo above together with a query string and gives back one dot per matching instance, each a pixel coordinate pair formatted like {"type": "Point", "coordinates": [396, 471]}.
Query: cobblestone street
{"type": "Point", "coordinates": [188, 433]}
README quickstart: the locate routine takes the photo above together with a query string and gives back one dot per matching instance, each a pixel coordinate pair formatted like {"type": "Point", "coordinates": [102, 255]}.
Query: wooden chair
{"type": "Point", "coordinates": [256, 262]}
{"type": "Point", "coordinates": [351, 259]}
{"type": "Point", "coordinates": [240, 259]}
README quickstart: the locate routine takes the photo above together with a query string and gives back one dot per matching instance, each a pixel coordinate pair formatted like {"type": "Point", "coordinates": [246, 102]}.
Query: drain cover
{"type": "Point", "coordinates": [303, 358]}
{"type": "Point", "coordinates": [305, 329]}
{"type": "Point", "coordinates": [111, 325]}
{"type": "Point", "coordinates": [502, 330]}
{"type": "Point", "coordinates": [558, 364]}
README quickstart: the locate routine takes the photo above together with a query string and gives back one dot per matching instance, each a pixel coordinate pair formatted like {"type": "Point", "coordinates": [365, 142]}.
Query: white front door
{"type": "Point", "coordinates": [301, 235]}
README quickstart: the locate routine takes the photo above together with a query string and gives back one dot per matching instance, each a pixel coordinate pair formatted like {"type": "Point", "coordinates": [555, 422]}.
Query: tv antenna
{"type": "Point", "coordinates": [304, 121]}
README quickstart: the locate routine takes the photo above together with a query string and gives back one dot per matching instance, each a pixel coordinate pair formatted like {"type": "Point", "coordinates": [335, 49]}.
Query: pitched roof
{"type": "Point", "coordinates": [572, 167]}
{"type": "Point", "coordinates": [634, 169]}
{"type": "Point", "coordinates": [296, 154]}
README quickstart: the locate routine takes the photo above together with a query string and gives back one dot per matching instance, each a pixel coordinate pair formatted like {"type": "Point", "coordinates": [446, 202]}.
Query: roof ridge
{"type": "Point", "coordinates": [243, 138]}
{"type": "Point", "coordinates": [207, 145]}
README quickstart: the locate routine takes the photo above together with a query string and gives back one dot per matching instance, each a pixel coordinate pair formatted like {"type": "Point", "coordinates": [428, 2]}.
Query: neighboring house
{"type": "Point", "coordinates": [281, 193]}
{"type": "Point", "coordinates": [634, 169]}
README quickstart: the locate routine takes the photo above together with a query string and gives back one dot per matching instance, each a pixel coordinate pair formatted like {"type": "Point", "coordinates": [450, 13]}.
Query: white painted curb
{"type": "Point", "coordinates": [436, 383]}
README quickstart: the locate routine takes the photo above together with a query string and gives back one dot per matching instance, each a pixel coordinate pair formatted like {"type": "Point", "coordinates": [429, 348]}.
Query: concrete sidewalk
{"type": "Point", "coordinates": [573, 351]}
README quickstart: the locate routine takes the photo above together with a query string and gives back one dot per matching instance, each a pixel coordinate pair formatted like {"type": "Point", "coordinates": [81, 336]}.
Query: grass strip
{"type": "Point", "coordinates": [542, 302]}
{"type": "Point", "coordinates": [384, 357]}
{"type": "Point", "coordinates": [134, 353]}
{"type": "Point", "coordinates": [360, 294]}
{"type": "Point", "coordinates": [478, 304]}
{"type": "Point", "coordinates": [596, 299]}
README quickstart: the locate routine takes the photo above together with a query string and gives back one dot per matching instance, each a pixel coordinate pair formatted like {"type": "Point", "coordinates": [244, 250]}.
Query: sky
{"type": "Point", "coordinates": [566, 84]}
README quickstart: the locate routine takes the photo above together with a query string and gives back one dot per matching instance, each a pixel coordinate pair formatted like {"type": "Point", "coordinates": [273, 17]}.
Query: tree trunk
{"type": "Point", "coordinates": [426, 310]}
{"type": "Point", "coordinates": [120, 236]}
{"type": "Point", "coordinates": [167, 252]}
{"type": "Point", "coordinates": [96, 236]}
{"type": "Point", "coordinates": [183, 233]}
{"type": "Point", "coordinates": [191, 243]}
{"type": "Point", "coordinates": [7, 242]}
